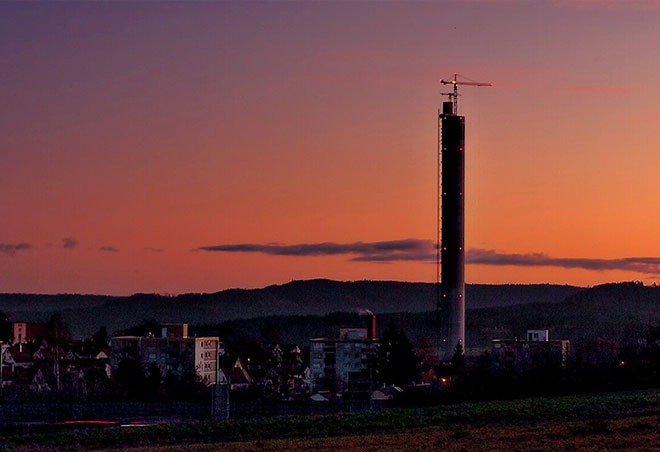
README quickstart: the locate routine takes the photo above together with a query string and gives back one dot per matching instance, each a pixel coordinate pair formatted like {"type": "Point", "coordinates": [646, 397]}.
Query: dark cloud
{"type": "Point", "coordinates": [10, 249]}
{"type": "Point", "coordinates": [69, 243]}
{"type": "Point", "coordinates": [425, 251]}
{"type": "Point", "coordinates": [648, 265]}
{"type": "Point", "coordinates": [392, 249]}
{"type": "Point", "coordinates": [110, 249]}
{"type": "Point", "coordinates": [155, 250]}
{"type": "Point", "coordinates": [394, 257]}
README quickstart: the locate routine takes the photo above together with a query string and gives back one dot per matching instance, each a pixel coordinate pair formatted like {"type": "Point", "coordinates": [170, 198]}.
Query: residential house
{"type": "Point", "coordinates": [351, 353]}
{"type": "Point", "coordinates": [172, 352]}
{"type": "Point", "coordinates": [537, 352]}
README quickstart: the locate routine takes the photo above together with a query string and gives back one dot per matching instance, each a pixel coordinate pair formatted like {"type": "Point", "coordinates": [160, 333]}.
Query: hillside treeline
{"type": "Point", "coordinates": [86, 313]}
{"type": "Point", "coordinates": [621, 312]}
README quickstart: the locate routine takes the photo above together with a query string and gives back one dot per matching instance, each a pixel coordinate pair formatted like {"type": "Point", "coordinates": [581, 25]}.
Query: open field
{"type": "Point", "coordinates": [638, 434]}
{"type": "Point", "coordinates": [614, 421]}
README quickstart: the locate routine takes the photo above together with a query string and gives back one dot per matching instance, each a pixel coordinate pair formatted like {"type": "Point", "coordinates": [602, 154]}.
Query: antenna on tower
{"type": "Point", "coordinates": [453, 96]}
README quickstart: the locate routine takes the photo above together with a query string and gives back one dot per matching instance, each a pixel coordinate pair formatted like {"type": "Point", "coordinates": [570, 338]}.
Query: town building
{"type": "Point", "coordinates": [538, 351]}
{"type": "Point", "coordinates": [338, 359]}
{"type": "Point", "coordinates": [24, 332]}
{"type": "Point", "coordinates": [172, 352]}
{"type": "Point", "coordinates": [232, 371]}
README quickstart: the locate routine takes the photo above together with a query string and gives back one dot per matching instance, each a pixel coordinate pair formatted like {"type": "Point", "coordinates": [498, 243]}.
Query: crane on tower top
{"type": "Point", "coordinates": [455, 81]}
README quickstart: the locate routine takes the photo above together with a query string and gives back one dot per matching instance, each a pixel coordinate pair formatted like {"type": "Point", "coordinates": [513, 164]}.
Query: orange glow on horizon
{"type": "Point", "coordinates": [159, 129]}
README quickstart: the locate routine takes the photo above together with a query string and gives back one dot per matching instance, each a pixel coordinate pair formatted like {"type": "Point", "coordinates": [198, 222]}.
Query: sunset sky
{"type": "Point", "coordinates": [193, 147]}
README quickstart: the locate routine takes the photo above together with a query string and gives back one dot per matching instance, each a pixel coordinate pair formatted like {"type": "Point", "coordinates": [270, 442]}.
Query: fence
{"type": "Point", "coordinates": [120, 411]}
{"type": "Point", "coordinates": [222, 406]}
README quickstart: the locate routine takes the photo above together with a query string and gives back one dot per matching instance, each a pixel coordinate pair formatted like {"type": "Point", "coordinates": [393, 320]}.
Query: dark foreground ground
{"type": "Point", "coordinates": [628, 421]}
{"type": "Point", "coordinates": [633, 434]}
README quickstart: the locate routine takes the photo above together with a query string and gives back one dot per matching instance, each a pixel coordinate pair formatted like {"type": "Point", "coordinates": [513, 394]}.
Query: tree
{"type": "Point", "coordinates": [428, 358]}
{"type": "Point", "coordinates": [6, 331]}
{"type": "Point", "coordinates": [100, 338]}
{"type": "Point", "coordinates": [396, 362]}
{"type": "Point", "coordinates": [58, 330]}
{"type": "Point", "coordinates": [171, 385]}
{"type": "Point", "coordinates": [458, 360]}
{"type": "Point", "coordinates": [271, 334]}
{"type": "Point", "coordinates": [153, 380]}
{"type": "Point", "coordinates": [130, 378]}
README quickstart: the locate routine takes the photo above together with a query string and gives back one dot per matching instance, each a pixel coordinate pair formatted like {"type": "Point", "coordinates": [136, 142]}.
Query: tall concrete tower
{"type": "Point", "coordinates": [451, 296]}
{"type": "Point", "coordinates": [452, 301]}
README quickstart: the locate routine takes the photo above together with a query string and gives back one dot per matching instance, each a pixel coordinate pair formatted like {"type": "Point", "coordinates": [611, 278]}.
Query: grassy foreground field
{"type": "Point", "coordinates": [637, 434]}
{"type": "Point", "coordinates": [613, 421]}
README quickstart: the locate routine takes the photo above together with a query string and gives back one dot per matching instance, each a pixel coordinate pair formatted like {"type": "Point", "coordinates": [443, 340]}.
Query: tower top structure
{"type": "Point", "coordinates": [456, 80]}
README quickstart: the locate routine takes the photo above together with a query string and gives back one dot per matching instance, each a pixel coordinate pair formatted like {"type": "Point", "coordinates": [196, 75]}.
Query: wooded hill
{"type": "Point", "coordinates": [86, 313]}
{"type": "Point", "coordinates": [624, 312]}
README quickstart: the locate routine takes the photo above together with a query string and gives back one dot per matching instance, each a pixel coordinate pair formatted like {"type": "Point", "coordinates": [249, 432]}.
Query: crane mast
{"type": "Point", "coordinates": [453, 96]}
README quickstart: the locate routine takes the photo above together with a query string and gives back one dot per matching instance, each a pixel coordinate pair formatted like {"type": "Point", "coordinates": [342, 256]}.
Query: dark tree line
{"type": "Point", "coordinates": [133, 382]}
{"type": "Point", "coordinates": [395, 360]}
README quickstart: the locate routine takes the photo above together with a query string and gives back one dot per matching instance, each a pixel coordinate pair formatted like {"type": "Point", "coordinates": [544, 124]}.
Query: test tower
{"type": "Point", "coordinates": [451, 234]}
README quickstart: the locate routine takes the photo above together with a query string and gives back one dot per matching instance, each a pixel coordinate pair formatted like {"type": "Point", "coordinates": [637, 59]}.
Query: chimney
{"type": "Point", "coordinates": [371, 327]}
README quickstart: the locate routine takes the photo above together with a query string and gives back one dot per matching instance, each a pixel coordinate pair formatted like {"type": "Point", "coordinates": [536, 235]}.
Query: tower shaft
{"type": "Point", "coordinates": [452, 303]}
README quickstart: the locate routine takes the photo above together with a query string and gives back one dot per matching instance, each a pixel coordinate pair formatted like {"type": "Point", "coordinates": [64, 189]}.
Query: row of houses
{"type": "Point", "coordinates": [279, 371]}
{"type": "Point", "coordinates": [43, 367]}
{"type": "Point", "coordinates": [336, 365]}
{"type": "Point", "coordinates": [32, 361]}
